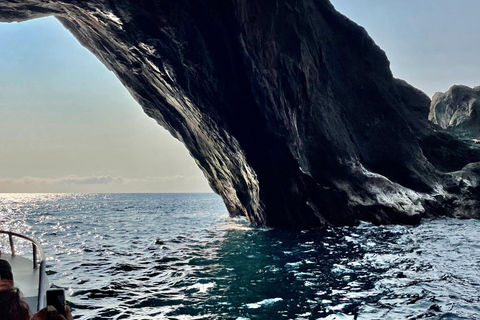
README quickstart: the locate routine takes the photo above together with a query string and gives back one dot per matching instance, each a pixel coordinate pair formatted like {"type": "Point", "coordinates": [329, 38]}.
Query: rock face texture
{"type": "Point", "coordinates": [457, 112]}
{"type": "Point", "coordinates": [458, 109]}
{"type": "Point", "coordinates": [288, 107]}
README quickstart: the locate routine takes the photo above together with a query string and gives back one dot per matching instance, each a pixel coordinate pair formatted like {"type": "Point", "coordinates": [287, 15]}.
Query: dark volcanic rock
{"type": "Point", "coordinates": [447, 152]}
{"type": "Point", "coordinates": [288, 107]}
{"type": "Point", "coordinates": [454, 144]}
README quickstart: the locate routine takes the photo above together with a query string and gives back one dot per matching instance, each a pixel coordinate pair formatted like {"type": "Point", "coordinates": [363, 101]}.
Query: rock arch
{"type": "Point", "coordinates": [288, 107]}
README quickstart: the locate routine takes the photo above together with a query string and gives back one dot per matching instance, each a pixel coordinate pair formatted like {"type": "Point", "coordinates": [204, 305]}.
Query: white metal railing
{"type": "Point", "coordinates": [39, 262]}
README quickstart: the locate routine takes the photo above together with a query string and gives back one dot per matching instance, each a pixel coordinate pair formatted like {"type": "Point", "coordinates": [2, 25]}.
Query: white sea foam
{"type": "Point", "coordinates": [263, 303]}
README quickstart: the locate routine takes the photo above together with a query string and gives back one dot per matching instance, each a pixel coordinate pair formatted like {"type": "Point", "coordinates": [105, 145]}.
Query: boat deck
{"type": "Point", "coordinates": [28, 274]}
{"type": "Point", "coordinates": [25, 278]}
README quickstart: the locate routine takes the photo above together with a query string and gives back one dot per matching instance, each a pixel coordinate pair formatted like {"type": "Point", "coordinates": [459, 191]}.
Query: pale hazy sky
{"type": "Point", "coordinates": [432, 44]}
{"type": "Point", "coordinates": [68, 125]}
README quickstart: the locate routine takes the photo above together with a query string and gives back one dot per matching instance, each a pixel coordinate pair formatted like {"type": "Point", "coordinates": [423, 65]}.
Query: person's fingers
{"type": "Point", "coordinates": [56, 316]}
{"type": "Point", "coordinates": [43, 314]}
{"type": "Point", "coordinates": [40, 315]}
{"type": "Point", "coordinates": [68, 313]}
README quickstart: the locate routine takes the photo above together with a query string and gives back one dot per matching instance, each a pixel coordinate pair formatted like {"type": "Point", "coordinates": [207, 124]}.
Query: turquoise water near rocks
{"type": "Point", "coordinates": [179, 256]}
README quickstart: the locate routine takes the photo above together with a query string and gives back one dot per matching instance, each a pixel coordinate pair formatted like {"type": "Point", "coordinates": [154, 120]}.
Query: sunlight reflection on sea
{"type": "Point", "coordinates": [178, 256]}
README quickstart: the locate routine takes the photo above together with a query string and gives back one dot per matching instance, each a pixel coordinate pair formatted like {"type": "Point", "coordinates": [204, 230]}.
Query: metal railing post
{"type": "Point", "coordinates": [41, 286]}
{"type": "Point", "coordinates": [12, 248]}
{"type": "Point", "coordinates": [34, 256]}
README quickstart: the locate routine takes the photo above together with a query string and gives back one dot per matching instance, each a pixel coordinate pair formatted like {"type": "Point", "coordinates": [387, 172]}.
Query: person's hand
{"type": "Point", "coordinates": [68, 313]}
{"type": "Point", "coordinates": [43, 315]}
{"type": "Point", "coordinates": [40, 315]}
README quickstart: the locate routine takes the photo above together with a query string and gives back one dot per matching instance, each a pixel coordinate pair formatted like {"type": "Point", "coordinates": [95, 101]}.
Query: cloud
{"type": "Point", "coordinates": [65, 180]}
{"type": "Point", "coordinates": [92, 180]}
{"type": "Point", "coordinates": [105, 183]}
{"type": "Point", "coordinates": [164, 179]}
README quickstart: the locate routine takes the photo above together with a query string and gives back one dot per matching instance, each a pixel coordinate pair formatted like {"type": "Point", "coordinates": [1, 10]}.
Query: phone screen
{"type": "Point", "coordinates": [56, 298]}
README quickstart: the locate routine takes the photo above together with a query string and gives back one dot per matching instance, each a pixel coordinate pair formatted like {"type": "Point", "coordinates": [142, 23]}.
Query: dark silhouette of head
{"type": "Point", "coordinates": [12, 307]}
{"type": "Point", "coordinates": [5, 270]}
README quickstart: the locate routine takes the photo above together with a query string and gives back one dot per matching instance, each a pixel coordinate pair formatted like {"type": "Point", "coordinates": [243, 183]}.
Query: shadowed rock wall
{"type": "Point", "coordinates": [288, 107]}
{"type": "Point", "coordinates": [457, 116]}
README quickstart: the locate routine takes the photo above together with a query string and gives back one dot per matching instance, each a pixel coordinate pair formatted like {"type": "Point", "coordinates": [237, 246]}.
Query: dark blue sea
{"type": "Point", "coordinates": [179, 256]}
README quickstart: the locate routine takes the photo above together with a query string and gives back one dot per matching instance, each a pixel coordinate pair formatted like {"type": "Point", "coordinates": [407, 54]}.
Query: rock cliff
{"type": "Point", "coordinates": [457, 115]}
{"type": "Point", "coordinates": [458, 109]}
{"type": "Point", "coordinates": [288, 107]}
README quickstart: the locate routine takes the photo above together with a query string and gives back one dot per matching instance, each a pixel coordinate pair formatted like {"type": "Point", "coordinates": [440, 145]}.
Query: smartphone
{"type": "Point", "coordinates": [56, 298]}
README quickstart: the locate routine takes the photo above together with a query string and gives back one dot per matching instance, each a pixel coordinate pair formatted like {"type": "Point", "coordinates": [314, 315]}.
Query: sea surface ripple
{"type": "Point", "coordinates": [179, 256]}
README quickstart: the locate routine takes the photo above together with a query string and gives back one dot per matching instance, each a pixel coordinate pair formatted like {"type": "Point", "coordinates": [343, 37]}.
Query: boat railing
{"type": "Point", "coordinates": [39, 262]}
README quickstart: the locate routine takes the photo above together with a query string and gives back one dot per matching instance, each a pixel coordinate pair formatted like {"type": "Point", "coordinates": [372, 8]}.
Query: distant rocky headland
{"type": "Point", "coordinates": [288, 107]}
{"type": "Point", "coordinates": [457, 110]}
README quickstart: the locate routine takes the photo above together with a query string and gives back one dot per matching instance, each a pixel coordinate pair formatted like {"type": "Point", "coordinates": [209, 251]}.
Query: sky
{"type": "Point", "coordinates": [68, 125]}
{"type": "Point", "coordinates": [432, 44]}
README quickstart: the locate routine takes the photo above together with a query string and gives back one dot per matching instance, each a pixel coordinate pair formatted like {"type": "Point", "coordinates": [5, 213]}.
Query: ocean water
{"type": "Point", "coordinates": [179, 256]}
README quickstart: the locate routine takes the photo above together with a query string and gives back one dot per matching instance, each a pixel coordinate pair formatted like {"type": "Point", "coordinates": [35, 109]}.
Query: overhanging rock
{"type": "Point", "coordinates": [288, 107]}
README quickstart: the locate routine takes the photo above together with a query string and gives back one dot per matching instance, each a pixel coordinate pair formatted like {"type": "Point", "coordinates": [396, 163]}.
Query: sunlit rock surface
{"type": "Point", "coordinates": [288, 107]}
{"type": "Point", "coordinates": [458, 109]}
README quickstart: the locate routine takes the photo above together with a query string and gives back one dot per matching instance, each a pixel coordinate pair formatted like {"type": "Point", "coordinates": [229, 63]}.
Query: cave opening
{"type": "Point", "coordinates": [69, 125]}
